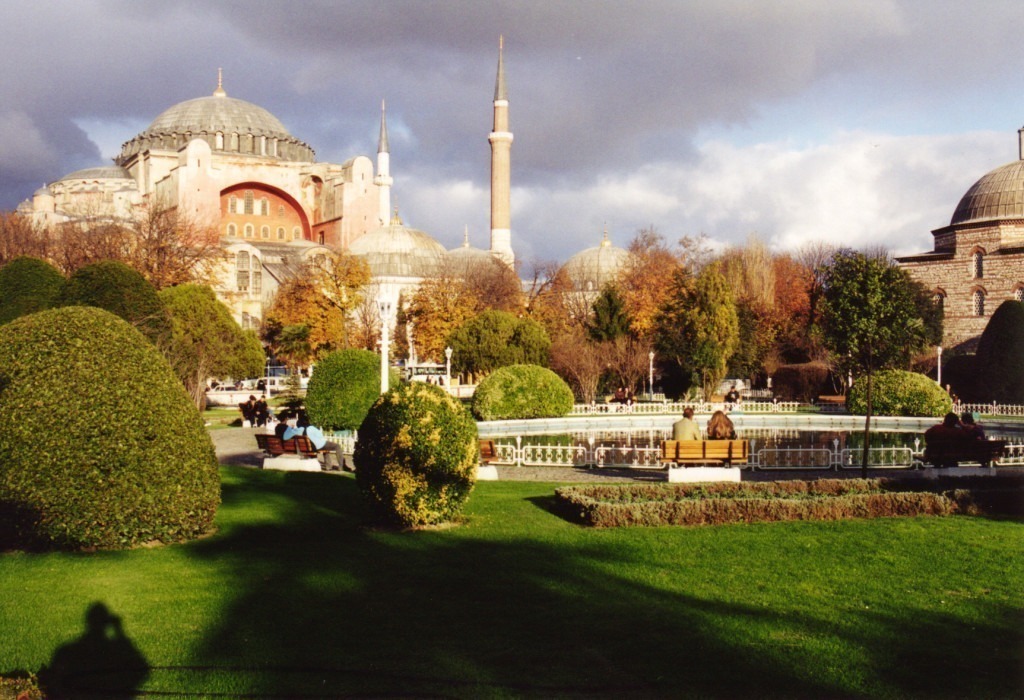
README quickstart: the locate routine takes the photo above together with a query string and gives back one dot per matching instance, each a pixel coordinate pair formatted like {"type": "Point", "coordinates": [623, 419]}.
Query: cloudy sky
{"type": "Point", "coordinates": [859, 122]}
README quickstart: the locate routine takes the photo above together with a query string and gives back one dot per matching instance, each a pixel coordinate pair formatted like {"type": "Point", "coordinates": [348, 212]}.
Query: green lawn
{"type": "Point", "coordinates": [294, 597]}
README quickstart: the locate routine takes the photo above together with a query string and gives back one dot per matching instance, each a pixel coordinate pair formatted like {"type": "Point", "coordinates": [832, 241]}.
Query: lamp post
{"type": "Point", "coordinates": [385, 346]}
{"type": "Point", "coordinates": [938, 378]}
{"type": "Point", "coordinates": [650, 368]}
{"type": "Point", "coordinates": [448, 369]}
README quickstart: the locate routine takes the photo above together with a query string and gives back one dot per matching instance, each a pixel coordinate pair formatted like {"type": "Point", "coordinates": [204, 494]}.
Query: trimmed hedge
{"type": "Point", "coordinates": [802, 382]}
{"type": "Point", "coordinates": [727, 502]}
{"type": "Point", "coordinates": [522, 391]}
{"type": "Point", "coordinates": [1000, 355]}
{"type": "Point", "coordinates": [896, 392]}
{"type": "Point", "coordinates": [343, 387]}
{"type": "Point", "coordinates": [117, 288]}
{"type": "Point", "coordinates": [27, 285]}
{"type": "Point", "coordinates": [416, 456]}
{"type": "Point", "coordinates": [101, 446]}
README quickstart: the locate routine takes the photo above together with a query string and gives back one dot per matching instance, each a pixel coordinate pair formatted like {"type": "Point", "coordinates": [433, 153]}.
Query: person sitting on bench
{"type": "Point", "coordinates": [321, 443]}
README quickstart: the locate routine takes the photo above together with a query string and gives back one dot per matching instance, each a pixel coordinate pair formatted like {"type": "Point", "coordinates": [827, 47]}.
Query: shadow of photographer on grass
{"type": "Point", "coordinates": [102, 662]}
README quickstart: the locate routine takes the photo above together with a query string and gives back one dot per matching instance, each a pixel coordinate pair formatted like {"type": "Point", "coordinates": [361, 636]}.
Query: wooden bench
{"type": "Point", "coordinates": [951, 453]}
{"type": "Point", "coordinates": [300, 445]}
{"type": "Point", "coordinates": [488, 452]}
{"type": "Point", "coordinates": [727, 452]}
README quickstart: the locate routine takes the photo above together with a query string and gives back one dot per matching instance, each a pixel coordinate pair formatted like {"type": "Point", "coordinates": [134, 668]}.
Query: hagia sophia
{"type": "Point", "coordinates": [234, 165]}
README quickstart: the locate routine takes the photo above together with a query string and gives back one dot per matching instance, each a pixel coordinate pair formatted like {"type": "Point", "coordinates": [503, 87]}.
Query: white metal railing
{"type": "Point", "coordinates": [523, 454]}
{"type": "Point", "coordinates": [990, 409]}
{"type": "Point", "coordinates": [676, 407]}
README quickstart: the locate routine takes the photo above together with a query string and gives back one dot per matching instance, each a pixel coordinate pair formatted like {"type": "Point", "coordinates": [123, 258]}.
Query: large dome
{"type": "Point", "coordinates": [591, 269]}
{"type": "Point", "coordinates": [997, 195]}
{"type": "Point", "coordinates": [228, 124]}
{"type": "Point", "coordinates": [396, 250]}
{"type": "Point", "coordinates": [218, 113]}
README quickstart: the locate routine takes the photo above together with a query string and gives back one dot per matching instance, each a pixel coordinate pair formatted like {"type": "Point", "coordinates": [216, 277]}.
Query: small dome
{"type": "Point", "coordinates": [997, 195]}
{"type": "Point", "coordinates": [106, 172]}
{"type": "Point", "coordinates": [591, 269]}
{"type": "Point", "coordinates": [465, 257]}
{"type": "Point", "coordinates": [396, 250]}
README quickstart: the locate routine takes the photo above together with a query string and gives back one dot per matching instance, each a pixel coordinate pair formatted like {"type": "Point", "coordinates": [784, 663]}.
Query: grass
{"type": "Point", "coordinates": [295, 597]}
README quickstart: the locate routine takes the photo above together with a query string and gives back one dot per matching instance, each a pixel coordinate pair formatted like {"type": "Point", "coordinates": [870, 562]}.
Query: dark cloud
{"type": "Point", "coordinates": [598, 89]}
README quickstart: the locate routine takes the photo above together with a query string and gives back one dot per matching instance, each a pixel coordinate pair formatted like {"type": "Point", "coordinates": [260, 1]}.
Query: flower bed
{"type": "Point", "coordinates": [722, 503]}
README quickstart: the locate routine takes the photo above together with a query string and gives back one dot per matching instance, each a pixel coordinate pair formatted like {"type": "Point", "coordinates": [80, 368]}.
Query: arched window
{"type": "Point", "coordinates": [232, 230]}
{"type": "Point", "coordinates": [1018, 293]}
{"type": "Point", "coordinates": [250, 231]}
{"type": "Point", "coordinates": [280, 233]}
{"type": "Point", "coordinates": [264, 232]}
{"type": "Point", "coordinates": [280, 211]}
{"type": "Point", "coordinates": [320, 238]}
{"type": "Point", "coordinates": [939, 299]}
{"type": "Point", "coordinates": [978, 264]}
{"type": "Point", "coordinates": [979, 303]}
{"type": "Point", "coordinates": [264, 207]}
{"type": "Point", "coordinates": [296, 233]}
{"type": "Point", "coordinates": [257, 276]}
{"type": "Point", "coordinates": [248, 201]}
{"type": "Point", "coordinates": [246, 321]}
{"type": "Point", "coordinates": [242, 270]}
{"type": "Point", "coordinates": [232, 204]}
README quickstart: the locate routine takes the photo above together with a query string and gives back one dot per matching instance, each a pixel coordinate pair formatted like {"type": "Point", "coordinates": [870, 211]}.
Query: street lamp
{"type": "Point", "coordinates": [650, 357]}
{"type": "Point", "coordinates": [385, 346]}
{"type": "Point", "coordinates": [448, 369]}
{"type": "Point", "coordinates": [938, 378]}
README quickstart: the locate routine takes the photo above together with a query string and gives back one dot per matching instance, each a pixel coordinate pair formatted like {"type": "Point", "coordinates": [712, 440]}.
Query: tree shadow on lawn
{"type": "Point", "coordinates": [324, 607]}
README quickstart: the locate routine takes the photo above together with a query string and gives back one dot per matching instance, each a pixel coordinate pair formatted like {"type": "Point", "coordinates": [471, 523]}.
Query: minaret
{"type": "Point", "coordinates": [383, 179]}
{"type": "Point", "coordinates": [501, 169]}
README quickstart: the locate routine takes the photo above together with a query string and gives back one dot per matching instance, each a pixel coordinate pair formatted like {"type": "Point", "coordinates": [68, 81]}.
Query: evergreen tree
{"type": "Point", "coordinates": [609, 320]}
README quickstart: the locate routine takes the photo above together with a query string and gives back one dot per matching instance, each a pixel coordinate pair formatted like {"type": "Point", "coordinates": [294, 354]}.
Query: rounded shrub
{"type": "Point", "coordinates": [117, 288]}
{"type": "Point", "coordinates": [416, 456]}
{"type": "Point", "coordinates": [522, 391]}
{"type": "Point", "coordinates": [343, 387]}
{"type": "Point", "coordinates": [27, 285]}
{"type": "Point", "coordinates": [101, 446]}
{"type": "Point", "coordinates": [896, 392]}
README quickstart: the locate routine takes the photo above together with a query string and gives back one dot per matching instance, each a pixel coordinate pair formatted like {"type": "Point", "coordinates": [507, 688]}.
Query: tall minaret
{"type": "Point", "coordinates": [383, 179]}
{"type": "Point", "coordinates": [501, 169]}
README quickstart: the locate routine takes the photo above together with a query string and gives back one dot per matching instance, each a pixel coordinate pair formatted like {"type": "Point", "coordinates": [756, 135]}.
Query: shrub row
{"type": "Point", "coordinates": [723, 503]}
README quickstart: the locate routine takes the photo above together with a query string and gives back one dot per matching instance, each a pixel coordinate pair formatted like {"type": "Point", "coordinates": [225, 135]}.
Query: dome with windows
{"type": "Point", "coordinates": [997, 195]}
{"type": "Point", "coordinates": [396, 250]}
{"type": "Point", "coordinates": [226, 123]}
{"type": "Point", "coordinates": [591, 269]}
{"type": "Point", "coordinates": [108, 172]}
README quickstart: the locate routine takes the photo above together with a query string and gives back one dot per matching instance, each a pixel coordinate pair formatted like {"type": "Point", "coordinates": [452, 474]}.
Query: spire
{"type": "Point", "coordinates": [604, 241]}
{"type": "Point", "coordinates": [219, 92]}
{"type": "Point", "coordinates": [500, 91]}
{"type": "Point", "coordinates": [465, 237]}
{"type": "Point", "coordinates": [382, 143]}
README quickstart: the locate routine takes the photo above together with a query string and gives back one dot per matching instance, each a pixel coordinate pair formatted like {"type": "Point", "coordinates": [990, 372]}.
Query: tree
{"type": "Point", "coordinates": [495, 339]}
{"type": "Point", "coordinates": [168, 247]}
{"type": "Point", "coordinates": [869, 320]}
{"type": "Point", "coordinates": [117, 288]}
{"type": "Point", "coordinates": [552, 300]}
{"type": "Point", "coordinates": [343, 387]}
{"type": "Point", "coordinates": [20, 237]}
{"type": "Point", "coordinates": [437, 308]}
{"type": "Point", "coordinates": [27, 285]}
{"type": "Point", "coordinates": [697, 326]}
{"type": "Point", "coordinates": [322, 297]}
{"type": "Point", "coordinates": [580, 361]}
{"type": "Point", "coordinates": [643, 280]}
{"type": "Point", "coordinates": [609, 320]}
{"type": "Point", "coordinates": [206, 341]}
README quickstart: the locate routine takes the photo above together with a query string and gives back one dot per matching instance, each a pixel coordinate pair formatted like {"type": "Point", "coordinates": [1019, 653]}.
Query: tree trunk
{"type": "Point", "coordinates": [867, 429]}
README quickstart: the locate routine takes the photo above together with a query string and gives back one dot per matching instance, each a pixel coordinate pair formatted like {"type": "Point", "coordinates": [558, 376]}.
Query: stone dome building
{"type": "Point", "coordinates": [590, 269]}
{"type": "Point", "coordinates": [978, 259]}
{"type": "Point", "coordinates": [399, 258]}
